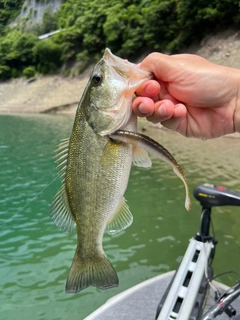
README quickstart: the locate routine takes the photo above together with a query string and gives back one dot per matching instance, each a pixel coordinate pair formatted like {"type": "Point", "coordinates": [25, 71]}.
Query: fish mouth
{"type": "Point", "coordinates": [133, 75]}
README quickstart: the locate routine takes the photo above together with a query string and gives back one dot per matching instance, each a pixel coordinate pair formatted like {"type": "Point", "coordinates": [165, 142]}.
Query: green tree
{"type": "Point", "coordinates": [160, 23]}
{"type": "Point", "coordinates": [127, 27]}
{"type": "Point", "coordinates": [49, 22]}
{"type": "Point", "coordinates": [123, 25]}
{"type": "Point", "coordinates": [9, 10]}
{"type": "Point", "coordinates": [5, 72]}
{"type": "Point", "coordinates": [29, 72]}
{"type": "Point", "coordinates": [91, 25]}
{"type": "Point", "coordinates": [70, 41]}
{"type": "Point", "coordinates": [16, 49]}
{"type": "Point", "coordinates": [47, 56]}
{"type": "Point", "coordinates": [197, 18]}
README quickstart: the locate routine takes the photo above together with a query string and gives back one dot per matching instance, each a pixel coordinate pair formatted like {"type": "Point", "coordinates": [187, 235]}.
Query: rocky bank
{"type": "Point", "coordinates": [60, 94]}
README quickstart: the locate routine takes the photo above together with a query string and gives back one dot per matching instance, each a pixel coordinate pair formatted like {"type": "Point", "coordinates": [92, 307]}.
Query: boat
{"type": "Point", "coordinates": [187, 294]}
{"type": "Point", "coordinates": [141, 301]}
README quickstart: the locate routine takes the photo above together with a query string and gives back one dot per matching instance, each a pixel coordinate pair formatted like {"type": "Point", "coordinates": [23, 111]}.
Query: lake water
{"type": "Point", "coordinates": [35, 255]}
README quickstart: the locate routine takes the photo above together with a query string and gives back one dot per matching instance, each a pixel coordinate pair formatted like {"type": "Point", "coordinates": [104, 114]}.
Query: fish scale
{"type": "Point", "coordinates": [95, 164]}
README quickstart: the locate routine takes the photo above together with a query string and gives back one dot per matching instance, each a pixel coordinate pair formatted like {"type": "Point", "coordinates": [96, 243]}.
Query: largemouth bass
{"type": "Point", "coordinates": [95, 164]}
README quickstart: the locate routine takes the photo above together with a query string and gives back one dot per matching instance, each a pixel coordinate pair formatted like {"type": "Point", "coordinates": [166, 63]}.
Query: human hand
{"type": "Point", "coordinates": [190, 95]}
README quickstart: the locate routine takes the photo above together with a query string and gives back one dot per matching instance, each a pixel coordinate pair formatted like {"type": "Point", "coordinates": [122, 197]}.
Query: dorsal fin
{"type": "Point", "coordinates": [60, 211]}
{"type": "Point", "coordinates": [121, 219]}
{"type": "Point", "coordinates": [141, 158]}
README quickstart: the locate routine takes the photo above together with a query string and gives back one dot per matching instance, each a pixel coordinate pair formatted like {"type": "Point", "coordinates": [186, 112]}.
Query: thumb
{"type": "Point", "coordinates": [161, 65]}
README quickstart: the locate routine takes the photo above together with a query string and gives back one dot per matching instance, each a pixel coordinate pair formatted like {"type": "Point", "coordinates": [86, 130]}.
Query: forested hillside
{"type": "Point", "coordinates": [8, 11]}
{"type": "Point", "coordinates": [127, 27]}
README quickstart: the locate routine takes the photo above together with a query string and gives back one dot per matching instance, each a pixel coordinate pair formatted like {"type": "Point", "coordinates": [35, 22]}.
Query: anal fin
{"type": "Point", "coordinates": [121, 219]}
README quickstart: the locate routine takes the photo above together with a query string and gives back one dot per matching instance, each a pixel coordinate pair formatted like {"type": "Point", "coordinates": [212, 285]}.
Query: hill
{"type": "Point", "coordinates": [61, 94]}
{"type": "Point", "coordinates": [81, 29]}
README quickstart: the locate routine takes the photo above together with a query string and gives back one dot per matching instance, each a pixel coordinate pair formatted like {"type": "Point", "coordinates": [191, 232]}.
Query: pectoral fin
{"type": "Point", "coordinates": [121, 219]}
{"type": "Point", "coordinates": [141, 158]}
{"type": "Point", "coordinates": [152, 146]}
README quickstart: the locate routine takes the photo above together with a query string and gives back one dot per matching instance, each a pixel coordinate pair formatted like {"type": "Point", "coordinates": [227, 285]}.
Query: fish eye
{"type": "Point", "coordinates": [97, 78]}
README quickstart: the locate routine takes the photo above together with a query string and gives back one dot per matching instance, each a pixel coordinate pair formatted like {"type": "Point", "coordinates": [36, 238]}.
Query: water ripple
{"type": "Point", "coordinates": [35, 255]}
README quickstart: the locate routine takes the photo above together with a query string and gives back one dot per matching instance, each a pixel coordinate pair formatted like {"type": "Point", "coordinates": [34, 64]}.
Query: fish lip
{"type": "Point", "coordinates": [119, 64]}
{"type": "Point", "coordinates": [109, 57]}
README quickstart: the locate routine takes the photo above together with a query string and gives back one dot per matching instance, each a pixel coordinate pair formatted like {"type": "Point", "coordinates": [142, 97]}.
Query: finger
{"type": "Point", "coordinates": [149, 89]}
{"type": "Point", "coordinates": [143, 106]}
{"type": "Point", "coordinates": [159, 64]}
{"type": "Point", "coordinates": [157, 90]}
{"type": "Point", "coordinates": [180, 111]}
{"type": "Point", "coordinates": [163, 110]}
{"type": "Point", "coordinates": [179, 115]}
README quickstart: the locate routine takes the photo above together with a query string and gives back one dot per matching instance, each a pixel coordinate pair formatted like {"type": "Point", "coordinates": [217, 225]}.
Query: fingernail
{"type": "Point", "coordinates": [142, 109]}
{"type": "Point", "coordinates": [162, 111]}
{"type": "Point", "coordinates": [148, 90]}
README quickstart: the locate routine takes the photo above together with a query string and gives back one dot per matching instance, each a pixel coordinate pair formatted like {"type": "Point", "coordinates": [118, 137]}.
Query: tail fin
{"type": "Point", "coordinates": [98, 272]}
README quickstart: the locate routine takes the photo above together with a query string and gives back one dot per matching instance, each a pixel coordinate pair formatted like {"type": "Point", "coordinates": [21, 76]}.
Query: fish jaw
{"type": "Point", "coordinates": [111, 100]}
{"type": "Point", "coordinates": [133, 75]}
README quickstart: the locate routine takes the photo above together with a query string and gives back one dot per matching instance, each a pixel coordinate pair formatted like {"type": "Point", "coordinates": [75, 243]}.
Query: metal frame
{"type": "Point", "coordinates": [184, 290]}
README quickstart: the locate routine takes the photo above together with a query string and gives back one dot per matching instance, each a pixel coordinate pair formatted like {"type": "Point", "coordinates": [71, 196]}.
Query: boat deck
{"type": "Point", "coordinates": [140, 302]}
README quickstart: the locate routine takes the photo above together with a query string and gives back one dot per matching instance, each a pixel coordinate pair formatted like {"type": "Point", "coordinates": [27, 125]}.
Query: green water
{"type": "Point", "coordinates": [35, 255]}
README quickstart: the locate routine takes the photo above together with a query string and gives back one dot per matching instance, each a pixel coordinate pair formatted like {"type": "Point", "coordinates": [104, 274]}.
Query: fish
{"type": "Point", "coordinates": [95, 163]}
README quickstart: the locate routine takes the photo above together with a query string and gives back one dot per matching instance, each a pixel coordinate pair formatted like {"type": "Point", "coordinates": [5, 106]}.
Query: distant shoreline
{"type": "Point", "coordinates": [59, 94]}
{"type": "Point", "coordinates": [43, 94]}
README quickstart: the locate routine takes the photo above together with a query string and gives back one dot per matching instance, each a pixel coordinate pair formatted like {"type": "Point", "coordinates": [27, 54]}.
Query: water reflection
{"type": "Point", "coordinates": [35, 255]}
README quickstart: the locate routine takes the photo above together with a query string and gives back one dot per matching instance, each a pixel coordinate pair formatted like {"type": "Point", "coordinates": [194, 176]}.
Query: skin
{"type": "Point", "coordinates": [190, 95]}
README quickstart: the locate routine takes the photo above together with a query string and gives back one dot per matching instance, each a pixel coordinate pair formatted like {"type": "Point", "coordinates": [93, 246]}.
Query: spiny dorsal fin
{"type": "Point", "coordinates": [141, 158]}
{"type": "Point", "coordinates": [60, 211]}
{"type": "Point", "coordinates": [121, 219]}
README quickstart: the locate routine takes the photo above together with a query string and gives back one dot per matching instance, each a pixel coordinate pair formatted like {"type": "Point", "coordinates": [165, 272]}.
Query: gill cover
{"type": "Point", "coordinates": [114, 82]}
